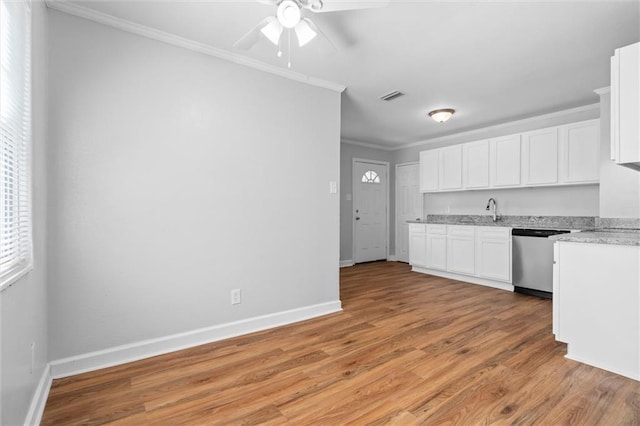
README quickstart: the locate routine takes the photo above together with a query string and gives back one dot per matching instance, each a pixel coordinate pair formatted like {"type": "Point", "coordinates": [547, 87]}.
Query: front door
{"type": "Point", "coordinates": [370, 185]}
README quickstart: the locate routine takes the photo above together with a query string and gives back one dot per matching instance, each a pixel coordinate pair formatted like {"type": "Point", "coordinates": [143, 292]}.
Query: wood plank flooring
{"type": "Point", "coordinates": [407, 349]}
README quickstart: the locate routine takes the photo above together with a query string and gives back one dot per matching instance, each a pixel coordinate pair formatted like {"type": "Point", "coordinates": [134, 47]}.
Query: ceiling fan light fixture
{"type": "Point", "coordinates": [289, 13]}
{"type": "Point", "coordinates": [304, 32]}
{"type": "Point", "coordinates": [441, 115]}
{"type": "Point", "coordinates": [272, 31]}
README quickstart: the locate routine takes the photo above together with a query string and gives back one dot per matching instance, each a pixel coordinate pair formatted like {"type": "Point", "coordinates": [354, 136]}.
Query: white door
{"type": "Point", "coordinates": [370, 181]}
{"type": "Point", "coordinates": [408, 205]}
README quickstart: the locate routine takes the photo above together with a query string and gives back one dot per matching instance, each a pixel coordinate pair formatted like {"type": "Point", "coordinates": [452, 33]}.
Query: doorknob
{"type": "Point", "coordinates": [357, 218]}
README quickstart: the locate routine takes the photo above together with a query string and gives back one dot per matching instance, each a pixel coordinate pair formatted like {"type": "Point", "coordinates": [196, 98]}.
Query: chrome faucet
{"type": "Point", "coordinates": [495, 207]}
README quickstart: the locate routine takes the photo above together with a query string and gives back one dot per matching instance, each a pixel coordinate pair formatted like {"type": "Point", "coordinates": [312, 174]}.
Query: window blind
{"type": "Point", "coordinates": [16, 246]}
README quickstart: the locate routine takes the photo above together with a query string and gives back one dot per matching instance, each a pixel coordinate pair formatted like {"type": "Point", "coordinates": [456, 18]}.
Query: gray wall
{"type": "Point", "coordinates": [569, 200]}
{"type": "Point", "coordinates": [347, 153]}
{"type": "Point", "coordinates": [619, 186]}
{"type": "Point", "coordinates": [23, 306]}
{"type": "Point", "coordinates": [174, 180]}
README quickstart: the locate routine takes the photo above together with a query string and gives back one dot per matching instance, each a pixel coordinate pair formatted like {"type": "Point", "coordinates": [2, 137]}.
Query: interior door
{"type": "Point", "coordinates": [370, 182]}
{"type": "Point", "coordinates": [408, 205]}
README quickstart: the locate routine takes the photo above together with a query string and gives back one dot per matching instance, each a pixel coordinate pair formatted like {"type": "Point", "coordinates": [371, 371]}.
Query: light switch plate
{"type": "Point", "coordinates": [333, 187]}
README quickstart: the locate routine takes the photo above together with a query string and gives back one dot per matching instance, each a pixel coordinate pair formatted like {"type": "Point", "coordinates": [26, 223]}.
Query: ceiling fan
{"type": "Point", "coordinates": [289, 17]}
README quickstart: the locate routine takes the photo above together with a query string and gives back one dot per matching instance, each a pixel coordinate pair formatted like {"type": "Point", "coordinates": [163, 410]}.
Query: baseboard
{"type": "Point", "coordinates": [153, 347]}
{"type": "Point", "coordinates": [391, 258]}
{"type": "Point", "coordinates": [466, 278]}
{"type": "Point", "coordinates": [601, 365]}
{"type": "Point", "coordinates": [39, 400]}
{"type": "Point", "coordinates": [346, 263]}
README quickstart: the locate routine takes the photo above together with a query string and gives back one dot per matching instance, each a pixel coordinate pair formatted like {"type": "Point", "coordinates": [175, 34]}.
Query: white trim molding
{"type": "Point", "coordinates": [603, 90]}
{"type": "Point", "coordinates": [147, 348]}
{"type": "Point", "coordinates": [39, 400]}
{"type": "Point", "coordinates": [346, 263]}
{"type": "Point", "coordinates": [175, 40]}
{"type": "Point", "coordinates": [368, 145]}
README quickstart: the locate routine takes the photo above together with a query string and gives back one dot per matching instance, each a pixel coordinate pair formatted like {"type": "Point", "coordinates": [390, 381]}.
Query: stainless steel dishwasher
{"type": "Point", "coordinates": [532, 261]}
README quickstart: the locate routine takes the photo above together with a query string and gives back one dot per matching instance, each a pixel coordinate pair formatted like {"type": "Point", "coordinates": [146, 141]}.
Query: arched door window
{"type": "Point", "coordinates": [370, 177]}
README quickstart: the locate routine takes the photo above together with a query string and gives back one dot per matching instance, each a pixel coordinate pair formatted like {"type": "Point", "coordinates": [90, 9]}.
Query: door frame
{"type": "Point", "coordinates": [396, 206]}
{"type": "Point", "coordinates": [386, 164]}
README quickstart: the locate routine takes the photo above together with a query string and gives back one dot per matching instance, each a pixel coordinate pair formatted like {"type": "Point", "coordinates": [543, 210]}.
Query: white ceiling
{"type": "Point", "coordinates": [493, 61]}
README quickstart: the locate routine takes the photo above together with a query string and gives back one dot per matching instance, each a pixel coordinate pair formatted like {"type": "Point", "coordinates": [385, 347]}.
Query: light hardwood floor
{"type": "Point", "coordinates": [407, 349]}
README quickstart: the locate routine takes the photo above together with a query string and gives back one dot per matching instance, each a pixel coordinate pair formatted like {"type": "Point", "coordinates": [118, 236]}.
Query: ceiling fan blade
{"type": "Point", "coordinates": [269, 2]}
{"type": "Point", "coordinates": [304, 32]}
{"type": "Point", "coordinates": [320, 6]}
{"type": "Point", "coordinates": [315, 29]}
{"type": "Point", "coordinates": [252, 37]}
{"type": "Point", "coordinates": [273, 30]}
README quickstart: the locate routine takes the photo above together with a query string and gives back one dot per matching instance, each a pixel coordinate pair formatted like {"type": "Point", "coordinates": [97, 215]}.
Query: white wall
{"type": "Point", "coordinates": [619, 186]}
{"type": "Point", "coordinates": [347, 153]}
{"type": "Point", "coordinates": [579, 200]}
{"type": "Point", "coordinates": [175, 178]}
{"type": "Point", "coordinates": [23, 306]}
{"type": "Point", "coordinates": [560, 201]}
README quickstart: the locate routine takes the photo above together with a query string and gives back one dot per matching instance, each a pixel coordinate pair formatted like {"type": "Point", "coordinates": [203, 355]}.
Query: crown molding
{"type": "Point", "coordinates": [603, 90]}
{"type": "Point", "coordinates": [470, 133]}
{"type": "Point", "coordinates": [169, 38]}
{"type": "Point", "coordinates": [368, 145]}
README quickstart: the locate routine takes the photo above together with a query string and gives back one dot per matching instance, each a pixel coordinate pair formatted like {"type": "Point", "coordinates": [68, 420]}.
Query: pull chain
{"type": "Point", "coordinates": [289, 47]}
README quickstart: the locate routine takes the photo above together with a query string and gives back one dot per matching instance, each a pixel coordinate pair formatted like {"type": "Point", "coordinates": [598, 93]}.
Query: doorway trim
{"type": "Point", "coordinates": [387, 165]}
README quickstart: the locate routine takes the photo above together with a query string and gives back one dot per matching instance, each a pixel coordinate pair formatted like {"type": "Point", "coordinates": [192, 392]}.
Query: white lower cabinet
{"type": "Point", "coordinates": [418, 244]}
{"type": "Point", "coordinates": [596, 300]}
{"type": "Point", "coordinates": [493, 253]}
{"type": "Point", "coordinates": [478, 254]}
{"type": "Point", "coordinates": [437, 247]}
{"type": "Point", "coordinates": [461, 256]}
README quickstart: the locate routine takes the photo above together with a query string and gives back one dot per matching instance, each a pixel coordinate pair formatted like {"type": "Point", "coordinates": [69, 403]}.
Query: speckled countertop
{"type": "Point", "coordinates": [592, 230]}
{"type": "Point", "coordinates": [625, 237]}
{"type": "Point", "coordinates": [540, 222]}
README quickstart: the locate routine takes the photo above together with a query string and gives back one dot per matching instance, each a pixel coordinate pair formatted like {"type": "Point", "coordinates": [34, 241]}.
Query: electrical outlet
{"type": "Point", "coordinates": [236, 296]}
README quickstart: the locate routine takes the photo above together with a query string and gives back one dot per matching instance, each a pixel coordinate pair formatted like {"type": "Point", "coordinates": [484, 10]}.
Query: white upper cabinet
{"type": "Point", "coordinates": [580, 152]}
{"type": "Point", "coordinates": [540, 157]}
{"type": "Point", "coordinates": [505, 161]}
{"type": "Point", "coordinates": [560, 155]}
{"type": "Point", "coordinates": [625, 106]}
{"type": "Point", "coordinates": [475, 164]}
{"type": "Point", "coordinates": [451, 167]}
{"type": "Point", "coordinates": [429, 170]}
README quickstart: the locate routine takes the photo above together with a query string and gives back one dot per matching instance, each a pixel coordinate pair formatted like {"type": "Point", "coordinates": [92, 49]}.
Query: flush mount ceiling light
{"type": "Point", "coordinates": [441, 115]}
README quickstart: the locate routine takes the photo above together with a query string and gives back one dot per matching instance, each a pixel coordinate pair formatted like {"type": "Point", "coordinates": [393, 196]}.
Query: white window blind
{"type": "Point", "coordinates": [15, 132]}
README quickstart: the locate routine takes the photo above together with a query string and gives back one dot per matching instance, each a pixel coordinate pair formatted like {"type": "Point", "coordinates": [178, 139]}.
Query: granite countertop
{"type": "Point", "coordinates": [529, 222]}
{"type": "Point", "coordinates": [625, 237]}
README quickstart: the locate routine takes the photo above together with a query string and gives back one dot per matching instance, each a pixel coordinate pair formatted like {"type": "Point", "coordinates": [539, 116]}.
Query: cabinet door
{"type": "Point", "coordinates": [461, 250]}
{"type": "Point", "coordinates": [429, 170]}
{"type": "Point", "coordinates": [475, 163]}
{"type": "Point", "coordinates": [580, 152]}
{"type": "Point", "coordinates": [625, 98]}
{"type": "Point", "coordinates": [540, 157]}
{"type": "Point", "coordinates": [437, 251]}
{"type": "Point", "coordinates": [505, 161]}
{"type": "Point", "coordinates": [493, 250]}
{"type": "Point", "coordinates": [451, 167]}
{"type": "Point", "coordinates": [417, 245]}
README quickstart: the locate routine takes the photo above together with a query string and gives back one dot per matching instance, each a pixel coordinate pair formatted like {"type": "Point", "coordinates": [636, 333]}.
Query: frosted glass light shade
{"type": "Point", "coordinates": [441, 115]}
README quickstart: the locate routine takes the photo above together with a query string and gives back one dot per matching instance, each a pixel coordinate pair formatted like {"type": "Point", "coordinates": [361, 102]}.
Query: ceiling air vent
{"type": "Point", "coordinates": [391, 95]}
